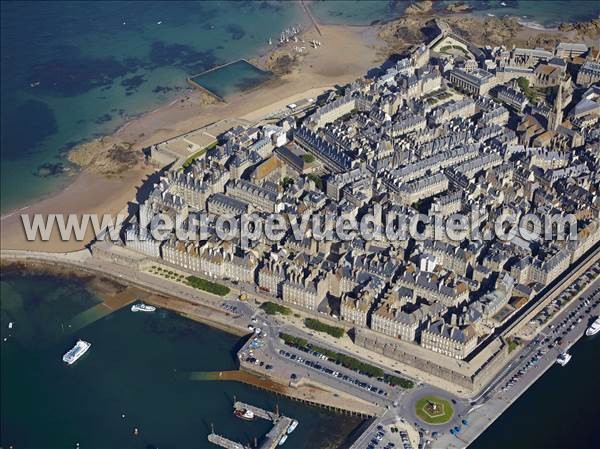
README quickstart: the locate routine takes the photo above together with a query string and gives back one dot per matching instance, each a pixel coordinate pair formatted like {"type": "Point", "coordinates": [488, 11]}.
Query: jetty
{"type": "Point", "coordinates": [311, 17]}
{"type": "Point", "coordinates": [271, 439]}
{"type": "Point", "coordinates": [280, 423]}
{"type": "Point", "coordinates": [276, 433]}
{"type": "Point", "coordinates": [224, 442]}
{"type": "Point", "coordinates": [259, 412]}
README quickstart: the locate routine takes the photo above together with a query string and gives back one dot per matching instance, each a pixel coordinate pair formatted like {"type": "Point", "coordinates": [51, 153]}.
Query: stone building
{"type": "Point", "coordinates": [449, 340]}
{"type": "Point", "coordinates": [476, 82]}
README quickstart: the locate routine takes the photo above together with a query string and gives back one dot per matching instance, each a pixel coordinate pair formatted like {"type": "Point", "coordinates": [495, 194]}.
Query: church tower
{"type": "Point", "coordinates": [556, 117]}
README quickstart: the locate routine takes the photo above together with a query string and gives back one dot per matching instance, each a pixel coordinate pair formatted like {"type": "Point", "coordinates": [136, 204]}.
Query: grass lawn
{"type": "Point", "coordinates": [441, 414]}
{"type": "Point", "coordinates": [198, 154]}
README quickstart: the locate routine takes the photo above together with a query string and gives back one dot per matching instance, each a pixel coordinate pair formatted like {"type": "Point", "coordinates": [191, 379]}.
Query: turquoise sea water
{"type": "Point", "coordinates": [136, 367]}
{"type": "Point", "coordinates": [357, 12]}
{"type": "Point", "coordinates": [73, 70]}
{"type": "Point", "coordinates": [543, 12]}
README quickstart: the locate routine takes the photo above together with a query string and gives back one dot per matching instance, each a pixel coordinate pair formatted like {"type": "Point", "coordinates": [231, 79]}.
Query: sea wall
{"type": "Point", "coordinates": [465, 375]}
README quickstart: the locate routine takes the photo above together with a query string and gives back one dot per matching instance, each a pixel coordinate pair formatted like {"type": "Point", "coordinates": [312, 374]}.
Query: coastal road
{"type": "Point", "coordinates": [284, 366]}
{"type": "Point", "coordinates": [239, 319]}
{"type": "Point", "coordinates": [531, 363]}
{"type": "Point", "coordinates": [488, 408]}
{"type": "Point", "coordinates": [408, 411]}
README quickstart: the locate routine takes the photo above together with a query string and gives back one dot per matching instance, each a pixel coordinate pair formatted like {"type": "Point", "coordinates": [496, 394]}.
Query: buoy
{"type": "Point", "coordinates": [123, 415]}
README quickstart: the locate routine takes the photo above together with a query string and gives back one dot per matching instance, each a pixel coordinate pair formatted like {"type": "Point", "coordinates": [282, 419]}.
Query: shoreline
{"type": "Point", "coordinates": [347, 54]}
{"type": "Point", "coordinates": [94, 281]}
{"type": "Point", "coordinates": [63, 268]}
{"type": "Point", "coordinates": [117, 293]}
{"type": "Point", "coordinates": [310, 395]}
{"type": "Point", "coordinates": [141, 131]}
{"type": "Point", "coordinates": [119, 278]}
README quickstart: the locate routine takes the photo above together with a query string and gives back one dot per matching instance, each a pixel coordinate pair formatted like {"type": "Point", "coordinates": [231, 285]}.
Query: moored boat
{"type": "Point", "coordinates": [141, 307]}
{"type": "Point", "coordinates": [292, 427]}
{"type": "Point", "coordinates": [563, 358]}
{"type": "Point", "coordinates": [75, 353]}
{"type": "Point", "coordinates": [244, 414]}
{"type": "Point", "coordinates": [283, 439]}
{"type": "Point", "coordinates": [594, 328]}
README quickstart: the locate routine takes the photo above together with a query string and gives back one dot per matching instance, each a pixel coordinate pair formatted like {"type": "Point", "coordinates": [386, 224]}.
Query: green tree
{"type": "Point", "coordinates": [208, 286]}
{"type": "Point", "coordinates": [308, 158]}
{"type": "Point", "coordinates": [272, 308]}
{"type": "Point", "coordinates": [316, 179]}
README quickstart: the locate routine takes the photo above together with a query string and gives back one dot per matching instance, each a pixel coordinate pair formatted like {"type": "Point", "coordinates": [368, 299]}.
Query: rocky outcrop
{"type": "Point", "coordinates": [421, 7]}
{"type": "Point", "coordinates": [458, 7]}
{"type": "Point", "coordinates": [415, 26]}
{"type": "Point", "coordinates": [541, 40]}
{"type": "Point", "coordinates": [404, 32]}
{"type": "Point", "coordinates": [279, 61]}
{"type": "Point", "coordinates": [488, 31]}
{"type": "Point", "coordinates": [409, 30]}
{"type": "Point", "coordinates": [590, 29]}
{"type": "Point", "coordinates": [105, 156]}
{"type": "Point", "coordinates": [50, 169]}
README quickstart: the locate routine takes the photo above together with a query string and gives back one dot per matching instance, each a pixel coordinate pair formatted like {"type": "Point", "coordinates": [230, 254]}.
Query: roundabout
{"type": "Point", "coordinates": [434, 410]}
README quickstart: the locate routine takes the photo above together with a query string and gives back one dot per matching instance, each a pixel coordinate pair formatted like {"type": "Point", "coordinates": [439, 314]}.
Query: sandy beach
{"type": "Point", "coordinates": [346, 54]}
{"type": "Point", "coordinates": [89, 193]}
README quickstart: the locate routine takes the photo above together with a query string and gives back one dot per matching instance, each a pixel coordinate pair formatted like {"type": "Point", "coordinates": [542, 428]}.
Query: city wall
{"type": "Point", "coordinates": [472, 376]}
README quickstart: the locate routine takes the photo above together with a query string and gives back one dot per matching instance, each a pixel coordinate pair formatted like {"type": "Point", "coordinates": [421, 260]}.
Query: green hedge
{"type": "Point", "coordinates": [286, 182]}
{"type": "Point", "coordinates": [272, 308]}
{"type": "Point", "coordinates": [357, 365]}
{"type": "Point", "coordinates": [348, 361]}
{"type": "Point", "coordinates": [395, 380]}
{"type": "Point", "coordinates": [319, 326]}
{"type": "Point", "coordinates": [512, 345]}
{"type": "Point", "coordinates": [208, 286]}
{"type": "Point", "coordinates": [345, 360]}
{"type": "Point", "coordinates": [523, 84]}
{"type": "Point", "coordinates": [297, 341]}
{"type": "Point", "coordinates": [316, 179]}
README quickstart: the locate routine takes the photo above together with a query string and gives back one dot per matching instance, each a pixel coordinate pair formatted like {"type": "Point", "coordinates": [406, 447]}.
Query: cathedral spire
{"type": "Point", "coordinates": [556, 117]}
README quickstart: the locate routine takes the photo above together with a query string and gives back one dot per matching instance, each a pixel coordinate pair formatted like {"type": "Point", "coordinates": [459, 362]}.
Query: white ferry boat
{"type": "Point", "coordinates": [73, 354]}
{"type": "Point", "coordinates": [283, 439]}
{"type": "Point", "coordinates": [141, 307]}
{"type": "Point", "coordinates": [292, 427]}
{"type": "Point", "coordinates": [563, 359]}
{"type": "Point", "coordinates": [594, 328]}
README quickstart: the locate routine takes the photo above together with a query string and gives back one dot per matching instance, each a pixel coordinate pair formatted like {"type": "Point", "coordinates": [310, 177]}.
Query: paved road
{"type": "Point", "coordinates": [482, 412]}
{"type": "Point", "coordinates": [284, 365]}
{"type": "Point", "coordinates": [497, 398]}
